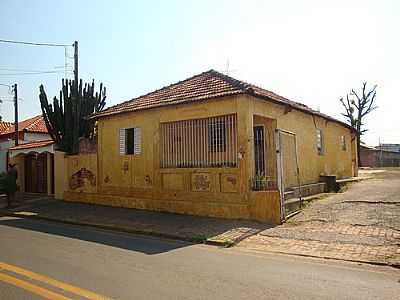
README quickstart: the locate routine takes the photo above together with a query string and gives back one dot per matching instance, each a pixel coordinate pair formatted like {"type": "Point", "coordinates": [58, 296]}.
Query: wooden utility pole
{"type": "Point", "coordinates": [76, 63]}
{"type": "Point", "coordinates": [16, 113]}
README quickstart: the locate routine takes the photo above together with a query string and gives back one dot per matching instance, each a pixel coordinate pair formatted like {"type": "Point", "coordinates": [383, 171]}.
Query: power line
{"type": "Point", "coordinates": [32, 73]}
{"type": "Point", "coordinates": [34, 44]}
{"type": "Point", "coordinates": [27, 70]}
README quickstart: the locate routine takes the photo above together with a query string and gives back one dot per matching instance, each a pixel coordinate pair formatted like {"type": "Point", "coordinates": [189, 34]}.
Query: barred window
{"type": "Point", "coordinates": [199, 143]}
{"type": "Point", "coordinates": [217, 136]}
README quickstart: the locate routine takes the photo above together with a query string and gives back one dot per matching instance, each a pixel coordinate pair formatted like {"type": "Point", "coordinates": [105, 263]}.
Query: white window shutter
{"type": "Point", "coordinates": [137, 140]}
{"type": "Point", "coordinates": [122, 141]}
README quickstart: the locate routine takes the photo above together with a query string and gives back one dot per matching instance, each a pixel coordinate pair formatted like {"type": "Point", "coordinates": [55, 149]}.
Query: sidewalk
{"type": "Point", "coordinates": [362, 224]}
{"type": "Point", "coordinates": [221, 232]}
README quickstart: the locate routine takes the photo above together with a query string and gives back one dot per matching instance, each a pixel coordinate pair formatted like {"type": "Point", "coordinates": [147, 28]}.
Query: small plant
{"type": "Point", "coordinates": [260, 182]}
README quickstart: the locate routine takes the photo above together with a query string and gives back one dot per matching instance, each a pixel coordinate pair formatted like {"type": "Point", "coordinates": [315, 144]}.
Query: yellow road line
{"type": "Point", "coordinates": [32, 288]}
{"type": "Point", "coordinates": [53, 282]}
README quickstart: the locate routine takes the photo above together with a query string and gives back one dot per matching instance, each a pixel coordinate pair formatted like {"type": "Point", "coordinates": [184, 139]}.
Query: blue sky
{"type": "Point", "coordinates": [309, 51]}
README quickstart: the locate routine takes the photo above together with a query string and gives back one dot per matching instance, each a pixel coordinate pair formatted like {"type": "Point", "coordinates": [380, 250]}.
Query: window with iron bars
{"type": "Point", "coordinates": [199, 143]}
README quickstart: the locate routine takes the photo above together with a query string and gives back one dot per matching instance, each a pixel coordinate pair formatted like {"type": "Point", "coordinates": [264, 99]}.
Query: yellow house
{"type": "Point", "coordinates": [209, 145]}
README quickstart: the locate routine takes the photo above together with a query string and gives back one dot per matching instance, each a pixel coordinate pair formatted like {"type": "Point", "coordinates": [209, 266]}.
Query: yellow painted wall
{"type": "Point", "coordinates": [137, 181]}
{"type": "Point", "coordinates": [84, 182]}
{"type": "Point", "coordinates": [333, 161]}
{"type": "Point", "coordinates": [60, 175]}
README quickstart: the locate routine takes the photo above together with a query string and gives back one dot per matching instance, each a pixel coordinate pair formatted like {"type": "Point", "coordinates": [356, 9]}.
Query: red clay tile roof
{"type": "Point", "coordinates": [35, 124]}
{"type": "Point", "coordinates": [36, 144]}
{"type": "Point", "coordinates": [5, 126]}
{"type": "Point", "coordinates": [207, 85]}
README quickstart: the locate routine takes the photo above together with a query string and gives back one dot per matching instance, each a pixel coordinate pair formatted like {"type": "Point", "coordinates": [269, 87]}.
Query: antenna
{"type": "Point", "coordinates": [227, 70]}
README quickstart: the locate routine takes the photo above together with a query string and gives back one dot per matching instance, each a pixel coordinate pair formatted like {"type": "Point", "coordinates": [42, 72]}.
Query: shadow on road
{"type": "Point", "coordinates": [138, 243]}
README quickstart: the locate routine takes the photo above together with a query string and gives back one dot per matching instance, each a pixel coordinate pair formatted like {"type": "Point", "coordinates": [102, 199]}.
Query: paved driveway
{"type": "Point", "coordinates": [360, 224]}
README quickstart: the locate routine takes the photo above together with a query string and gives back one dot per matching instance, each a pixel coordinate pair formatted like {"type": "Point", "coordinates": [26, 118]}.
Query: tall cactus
{"type": "Point", "coordinates": [67, 118]}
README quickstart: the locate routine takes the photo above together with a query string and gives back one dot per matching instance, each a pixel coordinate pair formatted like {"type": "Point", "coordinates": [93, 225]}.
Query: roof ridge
{"type": "Point", "coordinates": [160, 89]}
{"type": "Point", "coordinates": [244, 86]}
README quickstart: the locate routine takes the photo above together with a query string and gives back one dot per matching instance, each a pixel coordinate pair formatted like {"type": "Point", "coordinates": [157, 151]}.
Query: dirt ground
{"type": "Point", "coordinates": [361, 224]}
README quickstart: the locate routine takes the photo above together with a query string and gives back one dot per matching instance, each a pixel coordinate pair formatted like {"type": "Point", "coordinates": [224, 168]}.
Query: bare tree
{"type": "Point", "coordinates": [357, 107]}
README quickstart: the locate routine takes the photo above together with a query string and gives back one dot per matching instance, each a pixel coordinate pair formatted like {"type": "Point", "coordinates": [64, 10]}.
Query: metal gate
{"type": "Point", "coordinates": [289, 182]}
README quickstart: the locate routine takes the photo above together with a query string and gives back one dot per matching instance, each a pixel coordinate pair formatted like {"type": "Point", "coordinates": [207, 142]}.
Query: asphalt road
{"type": "Point", "coordinates": [71, 262]}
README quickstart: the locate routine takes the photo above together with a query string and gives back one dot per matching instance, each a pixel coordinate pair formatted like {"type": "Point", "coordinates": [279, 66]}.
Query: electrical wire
{"type": "Point", "coordinates": [33, 73]}
{"type": "Point", "coordinates": [34, 44]}
{"type": "Point", "coordinates": [25, 70]}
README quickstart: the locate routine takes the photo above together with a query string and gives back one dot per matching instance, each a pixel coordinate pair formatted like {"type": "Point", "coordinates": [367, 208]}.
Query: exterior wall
{"type": "Point", "coordinates": [377, 158]}
{"type": "Point", "coordinates": [368, 157]}
{"type": "Point", "coordinates": [137, 181]}
{"type": "Point", "coordinates": [333, 161]}
{"type": "Point", "coordinates": [4, 146]}
{"type": "Point", "coordinates": [82, 173]}
{"type": "Point", "coordinates": [60, 174]}
{"type": "Point", "coordinates": [31, 137]}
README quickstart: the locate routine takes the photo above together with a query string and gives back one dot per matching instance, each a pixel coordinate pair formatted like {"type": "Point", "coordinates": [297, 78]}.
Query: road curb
{"type": "Point", "coordinates": [195, 240]}
{"type": "Point", "coordinates": [375, 263]}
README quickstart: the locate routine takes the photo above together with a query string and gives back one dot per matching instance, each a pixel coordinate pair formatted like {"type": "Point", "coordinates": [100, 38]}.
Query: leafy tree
{"type": "Point", "coordinates": [357, 106]}
{"type": "Point", "coordinates": [67, 118]}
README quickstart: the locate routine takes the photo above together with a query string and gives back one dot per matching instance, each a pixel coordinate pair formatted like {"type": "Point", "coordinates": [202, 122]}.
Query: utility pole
{"type": "Point", "coordinates": [16, 113]}
{"type": "Point", "coordinates": [76, 63]}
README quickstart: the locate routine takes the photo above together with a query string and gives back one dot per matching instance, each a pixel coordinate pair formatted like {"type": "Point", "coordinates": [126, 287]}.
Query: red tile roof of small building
{"type": "Point", "coordinates": [5, 126]}
{"type": "Point", "coordinates": [204, 86]}
{"type": "Point", "coordinates": [35, 124]}
{"type": "Point", "coordinates": [36, 144]}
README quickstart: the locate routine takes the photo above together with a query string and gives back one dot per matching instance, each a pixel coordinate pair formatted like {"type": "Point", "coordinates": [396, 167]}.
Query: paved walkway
{"type": "Point", "coordinates": [361, 224]}
{"type": "Point", "coordinates": [216, 231]}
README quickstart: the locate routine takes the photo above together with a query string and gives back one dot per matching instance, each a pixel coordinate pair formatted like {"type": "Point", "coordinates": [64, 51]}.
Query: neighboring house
{"type": "Point", "coordinates": [377, 157]}
{"type": "Point", "coordinates": [209, 145]}
{"type": "Point", "coordinates": [33, 155]}
{"type": "Point", "coordinates": [389, 147]}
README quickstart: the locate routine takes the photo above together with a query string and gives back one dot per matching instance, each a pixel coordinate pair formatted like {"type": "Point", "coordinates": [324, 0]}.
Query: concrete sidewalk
{"type": "Point", "coordinates": [221, 232]}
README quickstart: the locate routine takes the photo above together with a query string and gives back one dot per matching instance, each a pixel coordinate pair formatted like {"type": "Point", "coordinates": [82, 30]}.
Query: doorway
{"type": "Point", "coordinates": [36, 173]}
{"type": "Point", "coordinates": [259, 150]}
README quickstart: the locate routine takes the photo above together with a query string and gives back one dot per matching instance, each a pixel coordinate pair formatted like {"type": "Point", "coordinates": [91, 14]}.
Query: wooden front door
{"type": "Point", "coordinates": [36, 173]}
